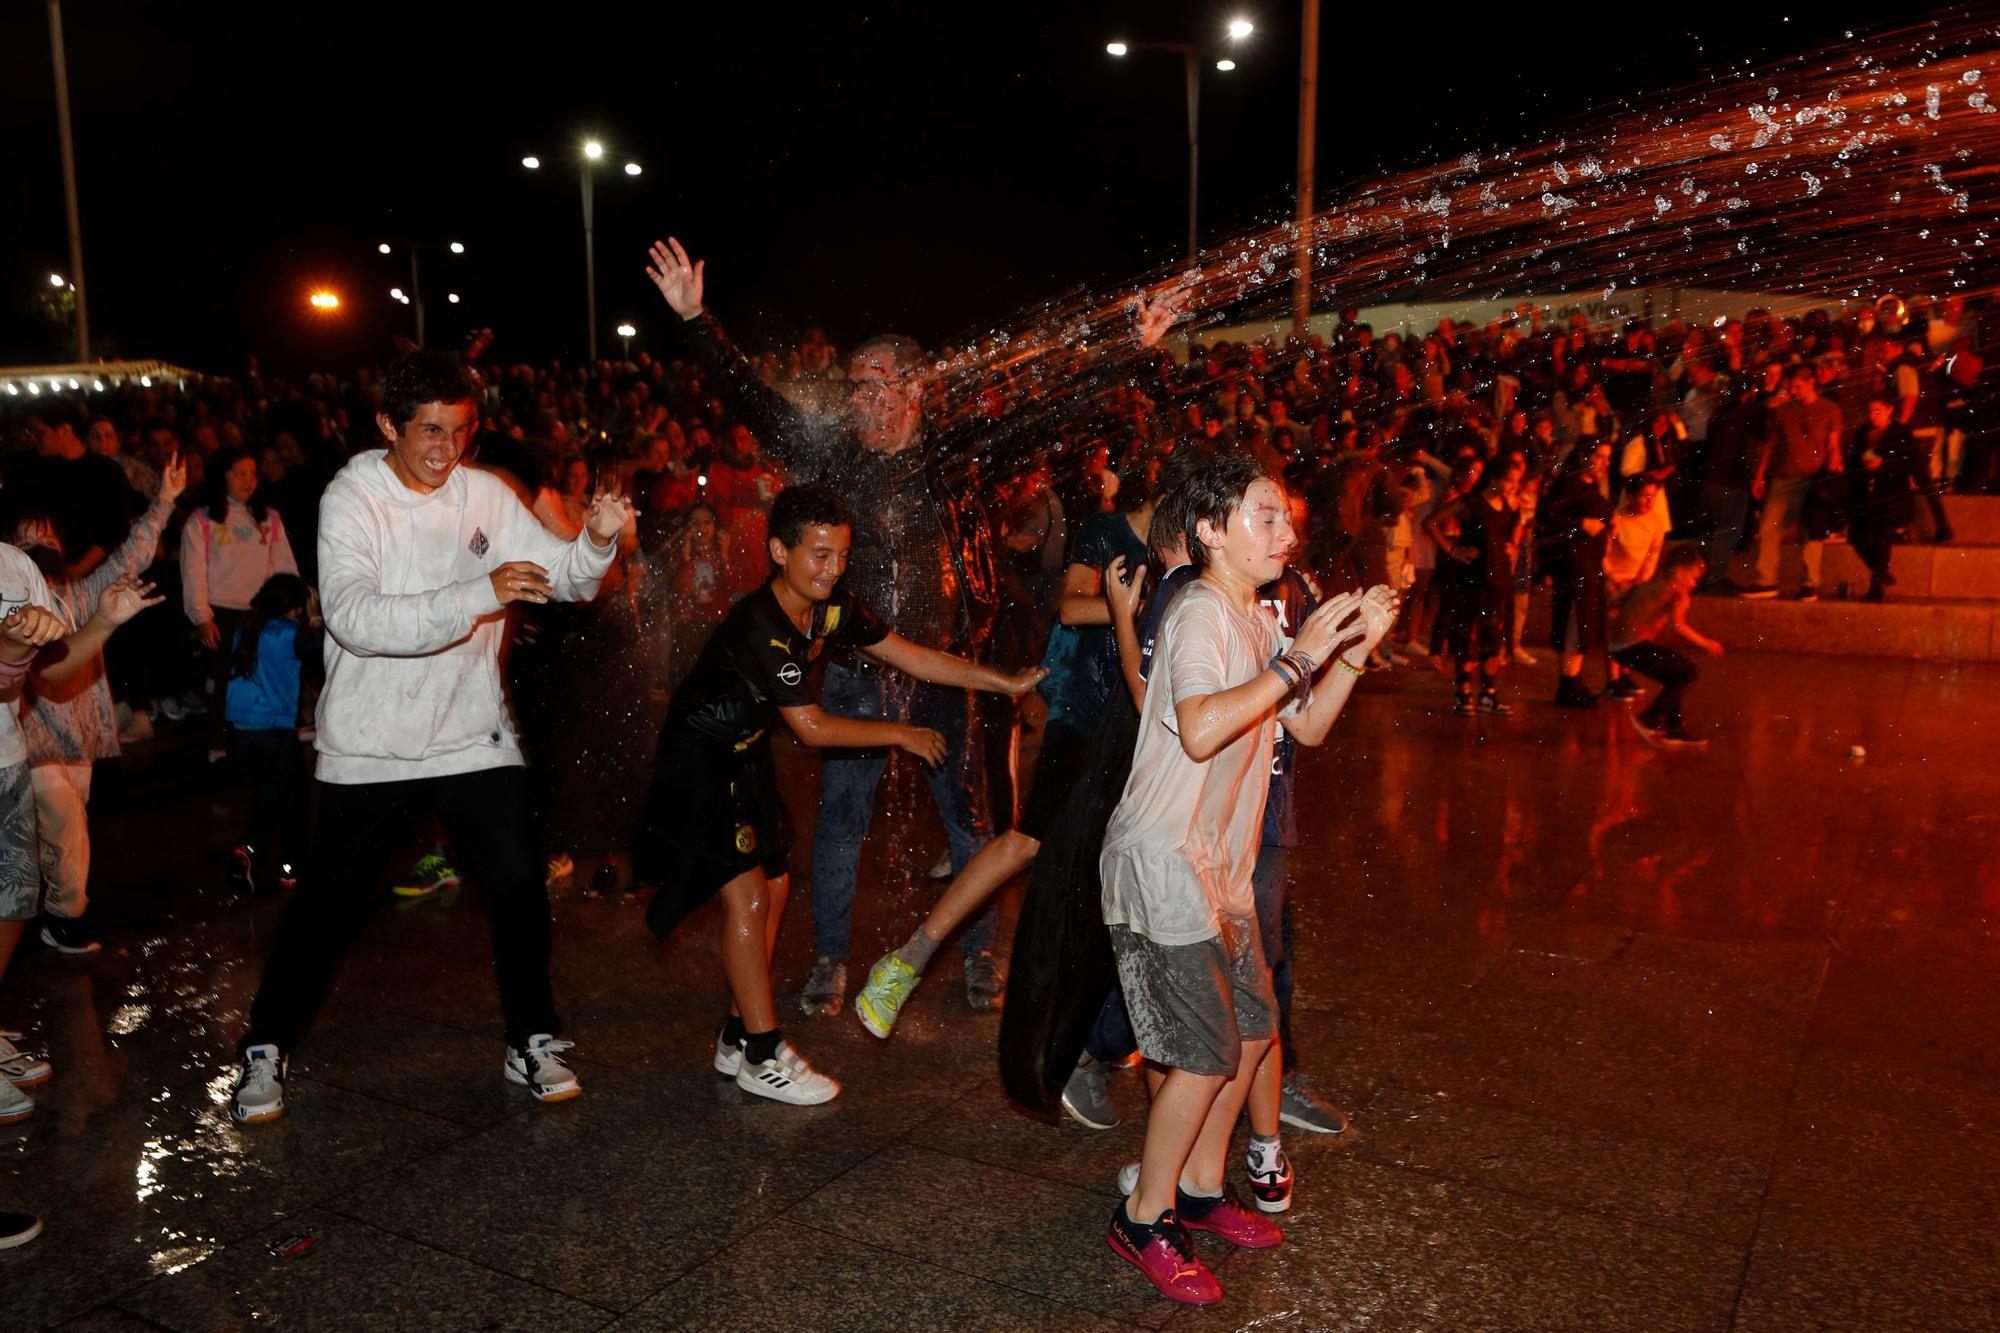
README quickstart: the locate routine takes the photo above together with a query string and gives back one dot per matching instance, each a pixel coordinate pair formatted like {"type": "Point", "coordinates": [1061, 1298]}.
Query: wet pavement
{"type": "Point", "coordinates": [1634, 1040]}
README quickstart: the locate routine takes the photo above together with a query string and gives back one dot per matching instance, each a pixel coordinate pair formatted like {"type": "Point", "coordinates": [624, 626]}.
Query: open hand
{"type": "Point", "coordinates": [678, 280]}
{"type": "Point", "coordinates": [127, 597]}
{"type": "Point", "coordinates": [1332, 627]}
{"type": "Point", "coordinates": [1158, 315]}
{"type": "Point", "coordinates": [926, 744]}
{"type": "Point", "coordinates": [1379, 608]}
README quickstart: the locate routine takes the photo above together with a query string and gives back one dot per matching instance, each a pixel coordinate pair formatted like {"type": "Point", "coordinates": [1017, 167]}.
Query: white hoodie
{"type": "Point", "coordinates": [413, 626]}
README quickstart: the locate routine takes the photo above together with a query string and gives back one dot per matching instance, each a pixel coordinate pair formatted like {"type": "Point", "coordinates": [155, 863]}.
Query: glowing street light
{"type": "Point", "coordinates": [452, 297]}
{"type": "Point", "coordinates": [457, 248]}
{"type": "Point", "coordinates": [56, 280]}
{"type": "Point", "coordinates": [591, 151]}
{"type": "Point", "coordinates": [627, 331]}
{"type": "Point", "coordinates": [1192, 54]}
{"type": "Point", "coordinates": [382, 248]}
{"type": "Point", "coordinates": [324, 300]}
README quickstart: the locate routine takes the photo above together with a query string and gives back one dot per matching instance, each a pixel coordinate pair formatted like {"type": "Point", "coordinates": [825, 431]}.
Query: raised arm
{"type": "Point", "coordinates": [928, 664]}
{"type": "Point", "coordinates": [1332, 689]}
{"type": "Point", "coordinates": [780, 428]}
{"type": "Point", "coordinates": [142, 545]}
{"type": "Point", "coordinates": [121, 599]}
{"type": "Point", "coordinates": [1208, 719]}
{"type": "Point", "coordinates": [1122, 600]}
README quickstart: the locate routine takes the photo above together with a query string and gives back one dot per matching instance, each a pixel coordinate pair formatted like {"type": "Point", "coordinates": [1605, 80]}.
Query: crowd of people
{"type": "Point", "coordinates": [465, 584]}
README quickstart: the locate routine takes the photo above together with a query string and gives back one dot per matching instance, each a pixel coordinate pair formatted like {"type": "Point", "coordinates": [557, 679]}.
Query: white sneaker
{"type": "Point", "coordinates": [23, 1071]}
{"type": "Point", "coordinates": [540, 1067]}
{"type": "Point", "coordinates": [728, 1056]}
{"type": "Point", "coordinates": [260, 1086]}
{"type": "Point", "coordinates": [786, 1077]}
{"type": "Point", "coordinates": [14, 1104]}
{"type": "Point", "coordinates": [1128, 1179]}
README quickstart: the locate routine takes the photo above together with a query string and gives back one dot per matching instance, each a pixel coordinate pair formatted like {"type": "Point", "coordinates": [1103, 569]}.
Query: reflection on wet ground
{"type": "Point", "coordinates": [1636, 1040]}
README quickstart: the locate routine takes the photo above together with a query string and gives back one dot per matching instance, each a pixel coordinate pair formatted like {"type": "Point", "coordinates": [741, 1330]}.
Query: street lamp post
{"type": "Point", "coordinates": [1192, 55]}
{"type": "Point", "coordinates": [1302, 283]}
{"type": "Point", "coordinates": [625, 334]}
{"type": "Point", "coordinates": [68, 143]}
{"type": "Point", "coordinates": [415, 297]}
{"type": "Point", "coordinates": [592, 152]}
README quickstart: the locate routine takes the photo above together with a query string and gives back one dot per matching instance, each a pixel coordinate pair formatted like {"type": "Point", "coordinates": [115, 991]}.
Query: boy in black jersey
{"type": "Point", "coordinates": [715, 822]}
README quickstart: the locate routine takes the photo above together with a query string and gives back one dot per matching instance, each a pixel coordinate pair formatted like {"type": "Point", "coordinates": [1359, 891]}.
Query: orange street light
{"type": "Point", "coordinates": [325, 300]}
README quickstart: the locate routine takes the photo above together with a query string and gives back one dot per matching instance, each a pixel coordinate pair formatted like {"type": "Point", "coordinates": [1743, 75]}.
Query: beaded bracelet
{"type": "Point", "coordinates": [1359, 671]}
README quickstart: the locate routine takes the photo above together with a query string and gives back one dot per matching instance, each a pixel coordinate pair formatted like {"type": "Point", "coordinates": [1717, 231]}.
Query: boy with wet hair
{"type": "Point", "coordinates": [715, 822]}
{"type": "Point", "coordinates": [1181, 848]}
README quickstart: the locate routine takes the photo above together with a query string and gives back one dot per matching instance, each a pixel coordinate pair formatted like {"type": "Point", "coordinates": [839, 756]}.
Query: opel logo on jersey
{"type": "Point", "coordinates": [790, 673]}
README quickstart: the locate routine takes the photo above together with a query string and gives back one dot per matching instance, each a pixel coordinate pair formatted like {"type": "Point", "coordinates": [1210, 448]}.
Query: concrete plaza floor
{"type": "Point", "coordinates": [1632, 1040]}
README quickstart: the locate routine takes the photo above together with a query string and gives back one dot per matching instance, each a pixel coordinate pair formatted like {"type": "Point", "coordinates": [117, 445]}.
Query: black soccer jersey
{"type": "Point", "coordinates": [756, 662]}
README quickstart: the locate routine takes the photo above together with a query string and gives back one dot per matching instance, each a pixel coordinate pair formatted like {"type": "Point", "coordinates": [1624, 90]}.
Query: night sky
{"type": "Point", "coordinates": [916, 167]}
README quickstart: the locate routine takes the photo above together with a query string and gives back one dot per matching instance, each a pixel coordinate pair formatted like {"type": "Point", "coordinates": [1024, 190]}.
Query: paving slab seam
{"type": "Point", "coordinates": [1777, 1145]}
{"type": "Point", "coordinates": [117, 1309]}
{"type": "Point", "coordinates": [611, 1313]}
{"type": "Point", "coordinates": [968, 1273]}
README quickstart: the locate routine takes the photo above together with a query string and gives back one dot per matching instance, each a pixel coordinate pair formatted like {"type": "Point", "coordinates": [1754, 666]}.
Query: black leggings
{"type": "Point", "coordinates": [360, 826]}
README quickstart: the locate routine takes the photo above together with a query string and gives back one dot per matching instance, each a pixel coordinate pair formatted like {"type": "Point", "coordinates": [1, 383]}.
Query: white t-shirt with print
{"type": "Point", "coordinates": [21, 584]}
{"type": "Point", "coordinates": [1181, 846]}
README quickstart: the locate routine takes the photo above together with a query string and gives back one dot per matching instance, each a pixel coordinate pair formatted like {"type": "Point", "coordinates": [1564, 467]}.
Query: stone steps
{"type": "Point", "coordinates": [1975, 519]}
{"type": "Point", "coordinates": [1962, 571]}
{"type": "Point", "coordinates": [1930, 629]}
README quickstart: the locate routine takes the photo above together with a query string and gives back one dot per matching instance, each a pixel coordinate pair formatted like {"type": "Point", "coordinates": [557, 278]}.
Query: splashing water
{"type": "Point", "coordinates": [1810, 177]}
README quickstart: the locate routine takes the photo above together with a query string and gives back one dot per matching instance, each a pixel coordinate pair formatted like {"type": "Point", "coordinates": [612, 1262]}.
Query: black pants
{"type": "Point", "coordinates": [1672, 670]}
{"type": "Point", "coordinates": [360, 826]}
{"type": "Point", "coordinates": [273, 762]}
{"type": "Point", "coordinates": [1873, 544]}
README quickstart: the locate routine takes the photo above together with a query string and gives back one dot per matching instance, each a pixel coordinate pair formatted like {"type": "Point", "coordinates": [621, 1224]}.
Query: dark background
{"type": "Point", "coordinates": [922, 167]}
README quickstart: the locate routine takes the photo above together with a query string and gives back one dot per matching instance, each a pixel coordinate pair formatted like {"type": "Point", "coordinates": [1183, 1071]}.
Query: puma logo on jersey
{"type": "Point", "coordinates": [782, 645]}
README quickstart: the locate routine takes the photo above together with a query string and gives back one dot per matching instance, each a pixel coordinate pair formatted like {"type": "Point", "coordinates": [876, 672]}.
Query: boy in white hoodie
{"type": "Point", "coordinates": [418, 560]}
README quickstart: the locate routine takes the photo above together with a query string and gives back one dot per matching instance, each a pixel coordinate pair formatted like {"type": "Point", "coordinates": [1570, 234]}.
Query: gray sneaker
{"type": "Point", "coordinates": [985, 983]}
{"type": "Point", "coordinates": [1084, 1097]}
{"type": "Point", "coordinates": [826, 988]}
{"type": "Point", "coordinates": [1302, 1108]}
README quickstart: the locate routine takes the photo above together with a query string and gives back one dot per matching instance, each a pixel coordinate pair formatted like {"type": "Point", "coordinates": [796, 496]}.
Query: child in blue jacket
{"type": "Point", "coordinates": [263, 708]}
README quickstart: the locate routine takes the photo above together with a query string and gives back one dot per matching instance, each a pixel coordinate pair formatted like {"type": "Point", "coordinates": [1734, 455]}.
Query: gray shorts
{"type": "Point", "coordinates": [20, 857]}
{"type": "Point", "coordinates": [1194, 1005]}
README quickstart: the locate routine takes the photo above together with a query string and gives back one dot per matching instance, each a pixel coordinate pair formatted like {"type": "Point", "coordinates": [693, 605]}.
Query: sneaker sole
{"type": "Point", "coordinates": [1118, 1248]}
{"type": "Point", "coordinates": [1264, 1205]}
{"type": "Point", "coordinates": [727, 1067]}
{"type": "Point", "coordinates": [876, 1028]}
{"type": "Point", "coordinates": [541, 1094]}
{"type": "Point", "coordinates": [22, 1238]}
{"type": "Point", "coordinates": [259, 1118]}
{"type": "Point", "coordinates": [1070, 1108]}
{"type": "Point", "coordinates": [35, 1081]}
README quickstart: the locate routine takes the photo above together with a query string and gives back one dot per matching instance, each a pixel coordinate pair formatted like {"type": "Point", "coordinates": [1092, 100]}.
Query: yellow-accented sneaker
{"type": "Point", "coordinates": [890, 982]}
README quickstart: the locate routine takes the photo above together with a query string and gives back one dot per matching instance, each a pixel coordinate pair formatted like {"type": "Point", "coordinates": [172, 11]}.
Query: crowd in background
{"type": "Point", "coordinates": [1608, 441]}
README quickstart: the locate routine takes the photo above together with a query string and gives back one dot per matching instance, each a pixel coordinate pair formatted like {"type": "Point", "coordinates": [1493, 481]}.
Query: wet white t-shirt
{"type": "Point", "coordinates": [1181, 846]}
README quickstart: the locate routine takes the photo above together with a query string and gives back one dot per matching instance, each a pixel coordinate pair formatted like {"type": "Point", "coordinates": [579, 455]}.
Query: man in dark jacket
{"type": "Point", "coordinates": [922, 558]}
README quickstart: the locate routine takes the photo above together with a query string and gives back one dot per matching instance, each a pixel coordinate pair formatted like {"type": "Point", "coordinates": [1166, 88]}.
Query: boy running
{"type": "Point", "coordinates": [715, 821]}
